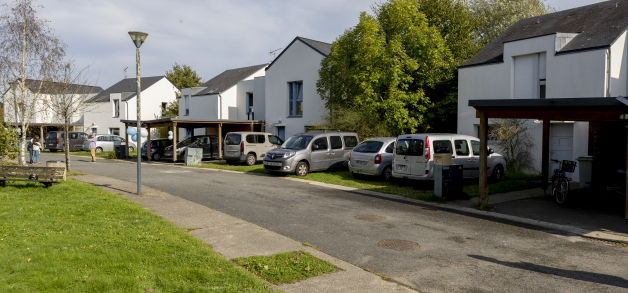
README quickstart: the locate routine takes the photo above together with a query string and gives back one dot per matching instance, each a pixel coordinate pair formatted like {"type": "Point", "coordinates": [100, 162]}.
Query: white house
{"type": "Point", "coordinates": [292, 102]}
{"type": "Point", "coordinates": [575, 53]}
{"type": "Point", "coordinates": [235, 94]}
{"type": "Point", "coordinates": [119, 102]}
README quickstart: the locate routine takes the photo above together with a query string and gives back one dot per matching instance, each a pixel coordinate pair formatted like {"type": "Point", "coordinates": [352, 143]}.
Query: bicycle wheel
{"type": "Point", "coordinates": [562, 190]}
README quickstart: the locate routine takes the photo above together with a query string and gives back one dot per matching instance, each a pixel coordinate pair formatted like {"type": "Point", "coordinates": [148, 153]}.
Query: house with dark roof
{"type": "Point", "coordinates": [235, 94]}
{"type": "Point", "coordinates": [119, 102]}
{"type": "Point", "coordinates": [292, 102]}
{"type": "Point", "coordinates": [574, 53]}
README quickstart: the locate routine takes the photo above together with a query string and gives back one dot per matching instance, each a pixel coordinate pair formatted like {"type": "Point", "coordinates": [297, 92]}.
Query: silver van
{"type": "Point", "coordinates": [106, 142]}
{"type": "Point", "coordinates": [414, 156]}
{"type": "Point", "coordinates": [311, 151]}
{"type": "Point", "coordinates": [55, 142]}
{"type": "Point", "coordinates": [373, 157]}
{"type": "Point", "coordinates": [249, 147]}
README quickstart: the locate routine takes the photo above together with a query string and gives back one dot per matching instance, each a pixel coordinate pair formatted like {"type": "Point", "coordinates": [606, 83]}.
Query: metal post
{"type": "Point", "coordinates": [139, 124]}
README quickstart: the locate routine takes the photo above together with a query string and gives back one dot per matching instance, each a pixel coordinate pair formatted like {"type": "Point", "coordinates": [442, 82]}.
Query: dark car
{"type": "Point", "coordinates": [209, 144]}
{"type": "Point", "coordinates": [54, 140]}
{"type": "Point", "coordinates": [157, 148]}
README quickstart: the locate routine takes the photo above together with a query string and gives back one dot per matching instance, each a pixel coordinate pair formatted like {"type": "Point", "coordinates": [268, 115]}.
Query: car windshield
{"type": "Point", "coordinates": [297, 142]}
{"type": "Point", "coordinates": [369, 147]}
{"type": "Point", "coordinates": [184, 142]}
{"type": "Point", "coordinates": [233, 139]}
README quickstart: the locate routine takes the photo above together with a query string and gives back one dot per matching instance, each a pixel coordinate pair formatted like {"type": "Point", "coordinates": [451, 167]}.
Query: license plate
{"type": "Point", "coordinates": [51, 144]}
{"type": "Point", "coordinates": [232, 154]}
{"type": "Point", "coordinates": [361, 162]}
{"type": "Point", "coordinates": [271, 164]}
{"type": "Point", "coordinates": [401, 168]}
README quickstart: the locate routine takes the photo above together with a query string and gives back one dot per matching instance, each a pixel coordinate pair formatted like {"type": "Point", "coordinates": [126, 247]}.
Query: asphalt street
{"type": "Point", "coordinates": [456, 252]}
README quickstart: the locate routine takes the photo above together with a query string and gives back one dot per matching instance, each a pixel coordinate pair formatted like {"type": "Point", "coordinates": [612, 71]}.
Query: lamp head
{"type": "Point", "coordinates": [138, 38]}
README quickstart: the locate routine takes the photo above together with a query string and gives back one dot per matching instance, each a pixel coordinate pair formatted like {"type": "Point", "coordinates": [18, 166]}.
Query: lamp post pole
{"type": "Point", "coordinates": [138, 39]}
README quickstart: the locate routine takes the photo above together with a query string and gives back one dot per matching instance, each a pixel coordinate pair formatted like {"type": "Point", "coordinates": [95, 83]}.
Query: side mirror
{"type": "Point", "coordinates": [315, 147]}
{"type": "Point", "coordinates": [491, 151]}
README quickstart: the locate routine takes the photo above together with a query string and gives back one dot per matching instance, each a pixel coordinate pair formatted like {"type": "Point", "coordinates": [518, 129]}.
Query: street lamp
{"type": "Point", "coordinates": [138, 39]}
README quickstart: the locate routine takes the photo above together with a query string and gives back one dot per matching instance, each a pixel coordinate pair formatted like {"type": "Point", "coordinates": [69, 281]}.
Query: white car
{"type": "Point", "coordinates": [414, 156]}
{"type": "Point", "coordinates": [106, 142]}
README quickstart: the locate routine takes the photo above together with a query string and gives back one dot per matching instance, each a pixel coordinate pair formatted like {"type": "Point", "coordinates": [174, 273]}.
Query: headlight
{"type": "Point", "coordinates": [290, 154]}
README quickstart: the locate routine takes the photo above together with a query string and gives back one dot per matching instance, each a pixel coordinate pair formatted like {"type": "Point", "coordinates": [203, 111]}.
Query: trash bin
{"type": "Point", "coordinates": [454, 187]}
{"type": "Point", "coordinates": [585, 164]}
{"type": "Point", "coordinates": [120, 151]}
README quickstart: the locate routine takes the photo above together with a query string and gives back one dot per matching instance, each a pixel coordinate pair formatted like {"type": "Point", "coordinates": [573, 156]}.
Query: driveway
{"type": "Point", "coordinates": [456, 252]}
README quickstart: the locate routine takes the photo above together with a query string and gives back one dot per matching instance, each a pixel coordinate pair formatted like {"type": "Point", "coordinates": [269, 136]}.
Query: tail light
{"type": "Point", "coordinates": [427, 172]}
{"type": "Point", "coordinates": [427, 148]}
{"type": "Point", "coordinates": [378, 159]}
{"type": "Point", "coordinates": [242, 147]}
{"type": "Point", "coordinates": [57, 140]}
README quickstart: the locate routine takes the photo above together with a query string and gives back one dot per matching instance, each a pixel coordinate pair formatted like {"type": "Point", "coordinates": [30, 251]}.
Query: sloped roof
{"type": "Point", "coordinates": [47, 87]}
{"type": "Point", "coordinates": [127, 85]}
{"type": "Point", "coordinates": [320, 47]}
{"type": "Point", "coordinates": [228, 79]}
{"type": "Point", "coordinates": [598, 26]}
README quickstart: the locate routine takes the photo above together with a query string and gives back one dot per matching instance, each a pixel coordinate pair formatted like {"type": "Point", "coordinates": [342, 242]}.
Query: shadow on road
{"type": "Point", "coordinates": [576, 275]}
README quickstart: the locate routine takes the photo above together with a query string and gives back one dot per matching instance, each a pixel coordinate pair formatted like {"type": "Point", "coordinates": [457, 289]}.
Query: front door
{"type": "Point", "coordinates": [561, 146]}
{"type": "Point", "coordinates": [463, 157]}
{"type": "Point", "coordinates": [281, 132]}
{"type": "Point", "coordinates": [320, 154]}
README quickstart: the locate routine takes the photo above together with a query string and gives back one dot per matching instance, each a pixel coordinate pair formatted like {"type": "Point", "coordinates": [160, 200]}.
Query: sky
{"type": "Point", "coordinates": [210, 36]}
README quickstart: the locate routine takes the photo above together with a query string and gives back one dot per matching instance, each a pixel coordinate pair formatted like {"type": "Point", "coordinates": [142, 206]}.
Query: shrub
{"type": "Point", "coordinates": [514, 138]}
{"type": "Point", "coordinates": [112, 155]}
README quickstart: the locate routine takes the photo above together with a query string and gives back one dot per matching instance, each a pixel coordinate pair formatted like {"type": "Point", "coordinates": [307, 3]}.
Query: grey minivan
{"type": "Point", "coordinates": [373, 157]}
{"type": "Point", "coordinates": [311, 151]}
{"type": "Point", "coordinates": [54, 140]}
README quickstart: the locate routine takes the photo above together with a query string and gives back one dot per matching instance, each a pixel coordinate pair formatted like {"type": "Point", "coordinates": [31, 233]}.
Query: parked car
{"type": "Point", "coordinates": [249, 147]}
{"type": "Point", "coordinates": [106, 142]}
{"type": "Point", "coordinates": [209, 144]}
{"type": "Point", "coordinates": [414, 156]}
{"type": "Point", "coordinates": [55, 142]}
{"type": "Point", "coordinates": [373, 157]}
{"type": "Point", "coordinates": [157, 148]}
{"type": "Point", "coordinates": [311, 151]}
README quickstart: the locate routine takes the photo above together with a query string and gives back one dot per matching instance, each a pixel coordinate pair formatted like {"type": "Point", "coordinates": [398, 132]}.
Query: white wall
{"type": "Point", "coordinates": [259, 98]}
{"type": "Point", "coordinates": [244, 87]}
{"type": "Point", "coordinates": [298, 63]}
{"type": "Point", "coordinates": [619, 67]}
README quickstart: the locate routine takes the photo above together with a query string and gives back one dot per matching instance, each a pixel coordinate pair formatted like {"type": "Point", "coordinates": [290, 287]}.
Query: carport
{"type": "Point", "coordinates": [212, 127]}
{"type": "Point", "coordinates": [42, 126]}
{"type": "Point", "coordinates": [546, 110]}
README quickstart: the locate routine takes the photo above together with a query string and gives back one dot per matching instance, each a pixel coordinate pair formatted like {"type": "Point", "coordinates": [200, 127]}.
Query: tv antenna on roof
{"type": "Point", "coordinates": [125, 68]}
{"type": "Point", "coordinates": [273, 53]}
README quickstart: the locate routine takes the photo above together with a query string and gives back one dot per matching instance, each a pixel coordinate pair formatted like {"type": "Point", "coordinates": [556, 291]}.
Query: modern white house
{"type": "Point", "coordinates": [119, 102]}
{"type": "Point", "coordinates": [292, 102]}
{"type": "Point", "coordinates": [234, 95]}
{"type": "Point", "coordinates": [575, 53]}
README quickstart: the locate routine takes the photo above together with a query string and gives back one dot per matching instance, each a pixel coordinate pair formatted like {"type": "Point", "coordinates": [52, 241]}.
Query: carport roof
{"type": "Point", "coordinates": [182, 122]}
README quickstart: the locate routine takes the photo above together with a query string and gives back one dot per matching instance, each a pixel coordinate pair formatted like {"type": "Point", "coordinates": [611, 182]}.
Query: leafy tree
{"type": "Point", "coordinates": [172, 111]}
{"type": "Point", "coordinates": [183, 76]}
{"type": "Point", "coordinates": [8, 143]}
{"type": "Point", "coordinates": [498, 15]}
{"type": "Point", "coordinates": [382, 66]}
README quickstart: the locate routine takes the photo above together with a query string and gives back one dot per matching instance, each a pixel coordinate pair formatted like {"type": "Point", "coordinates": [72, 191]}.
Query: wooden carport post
{"type": "Point", "coordinates": [174, 142]}
{"type": "Point", "coordinates": [483, 157]}
{"type": "Point", "coordinates": [126, 140]}
{"type": "Point", "coordinates": [252, 128]}
{"type": "Point", "coordinates": [545, 157]}
{"type": "Point", "coordinates": [219, 140]}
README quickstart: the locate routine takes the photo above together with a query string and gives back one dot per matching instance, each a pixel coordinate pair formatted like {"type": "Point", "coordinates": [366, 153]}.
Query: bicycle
{"type": "Point", "coordinates": [560, 182]}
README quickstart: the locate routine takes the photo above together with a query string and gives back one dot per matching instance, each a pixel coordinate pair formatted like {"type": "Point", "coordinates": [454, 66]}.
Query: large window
{"type": "Point", "coordinates": [296, 99]}
{"type": "Point", "coordinates": [116, 108]}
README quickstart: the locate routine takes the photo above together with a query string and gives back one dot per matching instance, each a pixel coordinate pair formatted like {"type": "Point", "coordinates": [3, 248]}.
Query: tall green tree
{"type": "Point", "coordinates": [382, 66]}
{"type": "Point", "coordinates": [183, 76]}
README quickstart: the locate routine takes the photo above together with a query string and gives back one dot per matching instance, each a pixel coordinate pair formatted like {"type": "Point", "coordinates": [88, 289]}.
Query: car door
{"type": "Point", "coordinates": [417, 159]}
{"type": "Point", "coordinates": [463, 157]}
{"type": "Point", "coordinates": [203, 143]}
{"type": "Point", "coordinates": [261, 146]}
{"type": "Point", "coordinates": [214, 146]}
{"type": "Point", "coordinates": [336, 156]}
{"type": "Point", "coordinates": [403, 156]}
{"type": "Point", "coordinates": [320, 154]}
{"type": "Point", "coordinates": [475, 148]}
{"type": "Point", "coordinates": [82, 137]}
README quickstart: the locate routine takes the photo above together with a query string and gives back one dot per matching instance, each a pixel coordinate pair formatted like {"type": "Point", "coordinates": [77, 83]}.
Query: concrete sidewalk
{"type": "Point", "coordinates": [233, 237]}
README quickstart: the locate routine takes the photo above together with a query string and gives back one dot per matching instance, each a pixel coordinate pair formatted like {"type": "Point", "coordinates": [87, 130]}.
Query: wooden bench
{"type": "Point", "coordinates": [46, 175]}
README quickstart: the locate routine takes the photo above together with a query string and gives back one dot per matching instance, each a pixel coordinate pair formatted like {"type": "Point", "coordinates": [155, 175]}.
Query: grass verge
{"type": "Point", "coordinates": [102, 155]}
{"type": "Point", "coordinates": [76, 237]}
{"type": "Point", "coordinates": [75, 173]}
{"type": "Point", "coordinates": [286, 267]}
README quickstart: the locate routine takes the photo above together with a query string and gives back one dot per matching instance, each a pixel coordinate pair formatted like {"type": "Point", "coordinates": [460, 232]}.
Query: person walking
{"type": "Point", "coordinates": [29, 147]}
{"type": "Point", "coordinates": [92, 146]}
{"type": "Point", "coordinates": [36, 149]}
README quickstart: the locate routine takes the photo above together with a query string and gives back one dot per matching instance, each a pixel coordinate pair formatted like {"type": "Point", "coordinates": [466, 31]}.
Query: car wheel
{"type": "Point", "coordinates": [251, 160]}
{"type": "Point", "coordinates": [131, 148]}
{"type": "Point", "coordinates": [301, 169]}
{"type": "Point", "coordinates": [231, 162]}
{"type": "Point", "coordinates": [498, 173]}
{"type": "Point", "coordinates": [156, 157]}
{"type": "Point", "coordinates": [387, 174]}
{"type": "Point", "coordinates": [99, 150]}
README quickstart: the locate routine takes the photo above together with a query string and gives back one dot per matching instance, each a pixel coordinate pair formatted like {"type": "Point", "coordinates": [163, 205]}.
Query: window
{"type": "Point", "coordinates": [188, 132]}
{"type": "Point", "coordinates": [320, 144]}
{"type": "Point", "coordinates": [295, 99]}
{"type": "Point", "coordinates": [297, 142]}
{"type": "Point", "coordinates": [116, 108]}
{"type": "Point", "coordinates": [249, 102]}
{"type": "Point", "coordinates": [261, 138]}
{"type": "Point", "coordinates": [187, 105]}
{"type": "Point", "coordinates": [103, 138]}
{"type": "Point", "coordinates": [403, 147]}
{"type": "Point", "coordinates": [475, 145]}
{"type": "Point", "coordinates": [250, 138]}
{"type": "Point", "coordinates": [442, 147]}
{"type": "Point", "coordinates": [116, 138]}
{"type": "Point", "coordinates": [462, 148]}
{"type": "Point", "coordinates": [83, 135]}
{"type": "Point", "coordinates": [203, 140]}
{"type": "Point", "coordinates": [350, 141]}
{"type": "Point", "coordinates": [369, 147]}
{"type": "Point", "coordinates": [114, 131]}
{"type": "Point", "coordinates": [164, 105]}
{"type": "Point", "coordinates": [233, 139]}
{"type": "Point", "coordinates": [274, 140]}
{"type": "Point", "coordinates": [417, 147]}
{"type": "Point", "coordinates": [73, 135]}
{"type": "Point", "coordinates": [390, 148]}
{"type": "Point", "coordinates": [336, 142]}
{"type": "Point", "coordinates": [542, 88]}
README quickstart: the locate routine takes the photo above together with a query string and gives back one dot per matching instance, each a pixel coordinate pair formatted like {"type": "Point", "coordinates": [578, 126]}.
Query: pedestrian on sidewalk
{"type": "Point", "coordinates": [92, 146]}
{"type": "Point", "coordinates": [29, 147]}
{"type": "Point", "coordinates": [36, 149]}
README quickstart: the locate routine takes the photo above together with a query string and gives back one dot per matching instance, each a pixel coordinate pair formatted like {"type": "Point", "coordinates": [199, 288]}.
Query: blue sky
{"type": "Point", "coordinates": [211, 36]}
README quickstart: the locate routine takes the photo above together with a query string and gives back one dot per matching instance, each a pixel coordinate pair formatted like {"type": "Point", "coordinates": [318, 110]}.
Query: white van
{"type": "Point", "coordinates": [414, 156]}
{"type": "Point", "coordinates": [249, 147]}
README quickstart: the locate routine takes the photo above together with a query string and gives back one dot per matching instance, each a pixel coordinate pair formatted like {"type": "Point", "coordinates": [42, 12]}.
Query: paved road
{"type": "Point", "coordinates": [458, 252]}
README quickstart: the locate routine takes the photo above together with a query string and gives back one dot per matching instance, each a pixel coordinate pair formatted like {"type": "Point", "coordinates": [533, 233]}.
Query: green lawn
{"type": "Point", "coordinates": [76, 237]}
{"type": "Point", "coordinates": [102, 155]}
{"type": "Point", "coordinates": [287, 267]}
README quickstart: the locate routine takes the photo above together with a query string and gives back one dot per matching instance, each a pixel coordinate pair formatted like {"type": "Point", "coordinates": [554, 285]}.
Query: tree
{"type": "Point", "coordinates": [382, 66]}
{"type": "Point", "coordinates": [29, 53]}
{"type": "Point", "coordinates": [183, 76]}
{"type": "Point", "coordinates": [514, 138]}
{"type": "Point", "coordinates": [70, 97]}
{"type": "Point", "coordinates": [8, 143]}
{"type": "Point", "coordinates": [172, 111]}
{"type": "Point", "coordinates": [498, 15]}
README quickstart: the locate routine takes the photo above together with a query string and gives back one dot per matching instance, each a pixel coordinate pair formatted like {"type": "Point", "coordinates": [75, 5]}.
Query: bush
{"type": "Point", "coordinates": [514, 138]}
{"type": "Point", "coordinates": [8, 143]}
{"type": "Point", "coordinates": [112, 155]}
